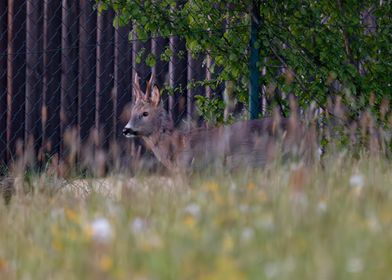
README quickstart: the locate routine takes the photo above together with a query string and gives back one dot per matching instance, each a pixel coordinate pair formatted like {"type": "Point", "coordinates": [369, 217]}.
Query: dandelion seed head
{"type": "Point", "coordinates": [357, 180]}
{"type": "Point", "coordinates": [101, 230]}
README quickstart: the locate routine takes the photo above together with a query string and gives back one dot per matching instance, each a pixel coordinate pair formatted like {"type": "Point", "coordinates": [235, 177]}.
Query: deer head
{"type": "Point", "coordinates": [146, 114]}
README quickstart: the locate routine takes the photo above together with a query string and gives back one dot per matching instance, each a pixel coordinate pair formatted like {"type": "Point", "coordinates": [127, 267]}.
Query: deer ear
{"type": "Point", "coordinates": [155, 96]}
{"type": "Point", "coordinates": [136, 88]}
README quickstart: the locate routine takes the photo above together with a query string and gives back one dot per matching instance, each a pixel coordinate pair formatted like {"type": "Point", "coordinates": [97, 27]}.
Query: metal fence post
{"type": "Point", "coordinates": [34, 40]}
{"type": "Point", "coordinates": [104, 77]}
{"type": "Point", "coordinates": [254, 104]}
{"type": "Point", "coordinates": [16, 74]}
{"type": "Point", "coordinates": [87, 68]}
{"type": "Point", "coordinates": [51, 77]}
{"type": "Point", "coordinates": [3, 85]}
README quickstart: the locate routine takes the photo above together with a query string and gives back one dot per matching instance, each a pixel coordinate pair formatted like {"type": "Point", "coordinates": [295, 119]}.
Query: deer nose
{"type": "Point", "coordinates": [128, 132]}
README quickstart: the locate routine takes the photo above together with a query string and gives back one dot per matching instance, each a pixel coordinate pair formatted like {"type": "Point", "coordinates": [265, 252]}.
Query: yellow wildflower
{"type": "Point", "coordinates": [72, 235]}
{"type": "Point", "coordinates": [151, 242]}
{"type": "Point", "coordinates": [105, 263]}
{"type": "Point", "coordinates": [386, 216]}
{"type": "Point", "coordinates": [55, 230]}
{"type": "Point", "coordinates": [57, 245]}
{"type": "Point", "coordinates": [190, 221]}
{"type": "Point", "coordinates": [227, 244]}
{"type": "Point", "coordinates": [262, 196]}
{"type": "Point", "coordinates": [3, 264]}
{"type": "Point", "coordinates": [251, 186]}
{"type": "Point", "coordinates": [212, 187]}
{"type": "Point", "coordinates": [71, 215]}
{"type": "Point", "coordinates": [88, 232]}
{"type": "Point", "coordinates": [226, 268]}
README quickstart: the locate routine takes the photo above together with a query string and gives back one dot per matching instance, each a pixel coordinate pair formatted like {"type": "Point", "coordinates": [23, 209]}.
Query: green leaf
{"type": "Point", "coordinates": [151, 60]}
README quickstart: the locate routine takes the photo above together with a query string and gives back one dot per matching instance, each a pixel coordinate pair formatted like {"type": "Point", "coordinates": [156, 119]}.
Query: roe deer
{"type": "Point", "coordinates": [245, 143]}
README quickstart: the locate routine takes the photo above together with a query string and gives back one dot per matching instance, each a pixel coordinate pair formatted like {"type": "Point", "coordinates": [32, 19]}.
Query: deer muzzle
{"type": "Point", "coordinates": [129, 132]}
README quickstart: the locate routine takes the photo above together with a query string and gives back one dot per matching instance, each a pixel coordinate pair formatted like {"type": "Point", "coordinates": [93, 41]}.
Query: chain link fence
{"type": "Point", "coordinates": [66, 82]}
{"type": "Point", "coordinates": [63, 67]}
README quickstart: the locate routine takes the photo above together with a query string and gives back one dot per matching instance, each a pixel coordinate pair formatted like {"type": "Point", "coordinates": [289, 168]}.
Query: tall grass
{"type": "Point", "coordinates": [96, 213]}
{"type": "Point", "coordinates": [285, 222]}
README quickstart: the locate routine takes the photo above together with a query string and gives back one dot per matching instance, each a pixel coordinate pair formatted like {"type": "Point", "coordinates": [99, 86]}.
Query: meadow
{"type": "Point", "coordinates": [79, 200]}
{"type": "Point", "coordinates": [331, 220]}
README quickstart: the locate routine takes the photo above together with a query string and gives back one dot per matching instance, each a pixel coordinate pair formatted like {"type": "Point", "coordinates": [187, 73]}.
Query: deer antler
{"type": "Point", "coordinates": [149, 85]}
{"type": "Point", "coordinates": [137, 91]}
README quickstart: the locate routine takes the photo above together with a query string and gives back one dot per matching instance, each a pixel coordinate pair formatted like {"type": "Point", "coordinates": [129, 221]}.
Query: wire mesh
{"type": "Point", "coordinates": [63, 67]}
{"type": "Point", "coordinates": [66, 78]}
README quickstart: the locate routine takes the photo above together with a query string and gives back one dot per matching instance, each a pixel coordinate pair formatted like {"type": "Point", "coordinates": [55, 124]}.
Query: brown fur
{"type": "Point", "coordinates": [243, 144]}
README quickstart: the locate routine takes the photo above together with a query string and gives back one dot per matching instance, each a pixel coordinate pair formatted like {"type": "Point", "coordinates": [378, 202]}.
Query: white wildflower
{"type": "Point", "coordinates": [299, 199]}
{"type": "Point", "coordinates": [272, 269]}
{"type": "Point", "coordinates": [114, 209]}
{"type": "Point", "coordinates": [322, 206]}
{"type": "Point", "coordinates": [266, 222]}
{"type": "Point", "coordinates": [101, 230]}
{"type": "Point", "coordinates": [138, 225]}
{"type": "Point", "coordinates": [374, 223]}
{"type": "Point", "coordinates": [57, 213]}
{"type": "Point", "coordinates": [354, 265]}
{"type": "Point", "coordinates": [247, 234]}
{"type": "Point", "coordinates": [193, 209]}
{"type": "Point", "coordinates": [357, 181]}
{"type": "Point", "coordinates": [244, 208]}
{"type": "Point", "coordinates": [233, 187]}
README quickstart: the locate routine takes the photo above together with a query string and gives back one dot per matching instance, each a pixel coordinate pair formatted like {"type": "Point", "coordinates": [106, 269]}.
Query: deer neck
{"type": "Point", "coordinates": [159, 138]}
{"type": "Point", "coordinates": [164, 143]}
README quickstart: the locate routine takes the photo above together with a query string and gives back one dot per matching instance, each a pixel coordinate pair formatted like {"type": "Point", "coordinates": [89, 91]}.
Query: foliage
{"type": "Point", "coordinates": [314, 49]}
{"type": "Point", "coordinates": [211, 109]}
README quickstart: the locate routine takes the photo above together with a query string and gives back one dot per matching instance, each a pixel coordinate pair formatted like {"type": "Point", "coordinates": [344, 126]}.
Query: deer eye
{"type": "Point", "coordinates": [145, 114]}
